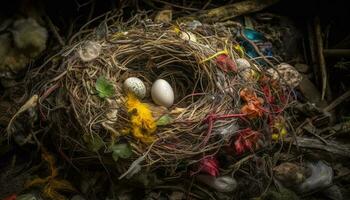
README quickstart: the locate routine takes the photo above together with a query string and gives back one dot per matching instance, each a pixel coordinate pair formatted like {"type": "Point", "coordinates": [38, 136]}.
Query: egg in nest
{"type": "Point", "coordinates": [135, 86]}
{"type": "Point", "coordinates": [162, 93]}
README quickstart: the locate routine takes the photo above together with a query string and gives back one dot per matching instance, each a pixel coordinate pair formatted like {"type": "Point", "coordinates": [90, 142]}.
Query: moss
{"type": "Point", "coordinates": [29, 37]}
{"type": "Point", "coordinates": [27, 41]}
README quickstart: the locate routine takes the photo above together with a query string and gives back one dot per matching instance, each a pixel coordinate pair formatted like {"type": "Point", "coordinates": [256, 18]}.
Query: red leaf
{"type": "Point", "coordinates": [268, 94]}
{"type": "Point", "coordinates": [246, 140]}
{"type": "Point", "coordinates": [226, 63]}
{"type": "Point", "coordinates": [239, 146]}
{"type": "Point", "coordinates": [210, 166]}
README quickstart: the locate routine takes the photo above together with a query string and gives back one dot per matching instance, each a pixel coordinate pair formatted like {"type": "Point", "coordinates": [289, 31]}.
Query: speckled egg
{"type": "Point", "coordinates": [136, 86]}
{"type": "Point", "coordinates": [162, 93]}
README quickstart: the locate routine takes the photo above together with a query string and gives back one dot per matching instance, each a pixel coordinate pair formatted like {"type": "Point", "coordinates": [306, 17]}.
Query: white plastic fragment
{"type": "Point", "coordinates": [188, 36]}
{"type": "Point", "coordinates": [286, 74]}
{"type": "Point", "coordinates": [89, 51]}
{"type": "Point", "coordinates": [321, 177]}
{"type": "Point", "coordinates": [193, 24]}
{"type": "Point", "coordinates": [221, 184]}
{"type": "Point", "coordinates": [244, 69]}
{"type": "Point", "coordinates": [134, 168]}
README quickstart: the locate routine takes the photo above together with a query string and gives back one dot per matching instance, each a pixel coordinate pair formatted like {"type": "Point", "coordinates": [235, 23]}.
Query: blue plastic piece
{"type": "Point", "coordinates": [253, 35]}
{"type": "Point", "coordinates": [259, 40]}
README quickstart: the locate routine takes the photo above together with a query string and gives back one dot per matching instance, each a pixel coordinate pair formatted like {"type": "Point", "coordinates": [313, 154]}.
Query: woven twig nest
{"type": "Point", "coordinates": [206, 90]}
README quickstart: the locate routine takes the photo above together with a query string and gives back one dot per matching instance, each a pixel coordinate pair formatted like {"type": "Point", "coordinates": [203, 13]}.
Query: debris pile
{"type": "Point", "coordinates": [191, 108]}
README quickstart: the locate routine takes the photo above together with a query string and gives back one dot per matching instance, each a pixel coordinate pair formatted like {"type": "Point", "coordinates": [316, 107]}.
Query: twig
{"type": "Point", "coordinates": [337, 101]}
{"type": "Point", "coordinates": [332, 147]}
{"type": "Point", "coordinates": [31, 103]}
{"type": "Point", "coordinates": [176, 6]}
{"type": "Point", "coordinates": [322, 61]}
{"type": "Point", "coordinates": [230, 11]}
{"type": "Point", "coordinates": [54, 30]}
{"type": "Point", "coordinates": [92, 10]}
{"type": "Point", "coordinates": [312, 130]}
{"type": "Point", "coordinates": [336, 52]}
{"type": "Point", "coordinates": [312, 52]}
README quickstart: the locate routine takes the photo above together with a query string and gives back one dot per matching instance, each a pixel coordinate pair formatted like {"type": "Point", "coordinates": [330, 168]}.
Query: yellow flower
{"type": "Point", "coordinates": [282, 131]}
{"type": "Point", "coordinates": [176, 29]}
{"type": "Point", "coordinates": [143, 125]}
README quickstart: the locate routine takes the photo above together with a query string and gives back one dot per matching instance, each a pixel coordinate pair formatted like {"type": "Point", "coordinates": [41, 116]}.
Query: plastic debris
{"type": "Point", "coordinates": [89, 51]}
{"type": "Point", "coordinates": [286, 74]}
{"type": "Point", "coordinates": [321, 177]}
{"type": "Point", "coordinates": [221, 183]}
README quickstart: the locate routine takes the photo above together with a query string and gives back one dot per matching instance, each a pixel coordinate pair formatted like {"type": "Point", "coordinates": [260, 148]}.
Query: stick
{"type": "Point", "coordinates": [336, 52]}
{"type": "Point", "coordinates": [54, 30]}
{"type": "Point", "coordinates": [230, 11]}
{"type": "Point", "coordinates": [322, 61]}
{"type": "Point", "coordinates": [31, 103]}
{"type": "Point", "coordinates": [331, 147]}
{"type": "Point", "coordinates": [337, 101]}
{"type": "Point", "coordinates": [312, 52]}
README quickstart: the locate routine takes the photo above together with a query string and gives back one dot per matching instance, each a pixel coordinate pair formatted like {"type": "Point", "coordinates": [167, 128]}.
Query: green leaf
{"type": "Point", "coordinates": [164, 120]}
{"type": "Point", "coordinates": [104, 87]}
{"type": "Point", "coordinates": [93, 143]}
{"type": "Point", "coordinates": [115, 156]}
{"type": "Point", "coordinates": [121, 151]}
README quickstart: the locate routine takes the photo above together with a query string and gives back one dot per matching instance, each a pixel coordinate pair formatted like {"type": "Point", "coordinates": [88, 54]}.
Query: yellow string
{"type": "Point", "coordinates": [215, 55]}
{"type": "Point", "coordinates": [239, 49]}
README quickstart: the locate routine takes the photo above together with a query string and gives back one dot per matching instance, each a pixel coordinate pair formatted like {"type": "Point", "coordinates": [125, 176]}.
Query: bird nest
{"type": "Point", "coordinates": [206, 113]}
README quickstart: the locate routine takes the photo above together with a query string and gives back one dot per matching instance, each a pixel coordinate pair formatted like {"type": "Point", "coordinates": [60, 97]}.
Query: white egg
{"type": "Point", "coordinates": [162, 93]}
{"type": "Point", "coordinates": [136, 86]}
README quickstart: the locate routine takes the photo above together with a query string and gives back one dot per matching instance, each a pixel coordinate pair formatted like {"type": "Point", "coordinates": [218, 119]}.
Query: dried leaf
{"type": "Point", "coordinates": [177, 111]}
{"type": "Point", "coordinates": [50, 193]}
{"type": "Point", "coordinates": [36, 182]}
{"type": "Point", "coordinates": [51, 185]}
{"type": "Point", "coordinates": [253, 106]}
{"type": "Point", "coordinates": [62, 185]}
